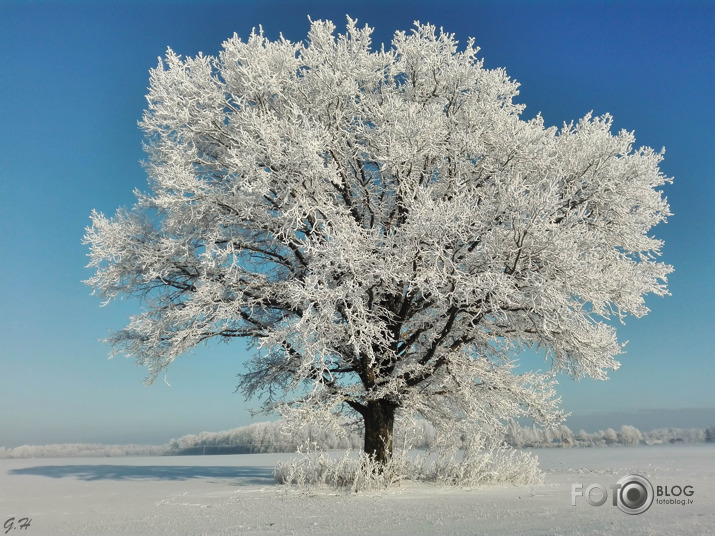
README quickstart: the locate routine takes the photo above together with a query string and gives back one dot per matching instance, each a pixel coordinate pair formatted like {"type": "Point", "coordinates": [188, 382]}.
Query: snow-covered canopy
{"type": "Point", "coordinates": [382, 224]}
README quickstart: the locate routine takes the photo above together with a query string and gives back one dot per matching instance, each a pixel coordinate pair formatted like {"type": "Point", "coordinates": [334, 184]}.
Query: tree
{"type": "Point", "coordinates": [630, 435]}
{"type": "Point", "coordinates": [610, 436]}
{"type": "Point", "coordinates": [383, 226]}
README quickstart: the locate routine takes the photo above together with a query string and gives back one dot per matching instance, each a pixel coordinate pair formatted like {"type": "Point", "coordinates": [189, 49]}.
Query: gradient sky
{"type": "Point", "coordinates": [73, 76]}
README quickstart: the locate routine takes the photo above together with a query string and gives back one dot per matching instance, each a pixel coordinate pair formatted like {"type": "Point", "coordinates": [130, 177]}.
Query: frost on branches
{"type": "Point", "coordinates": [384, 227]}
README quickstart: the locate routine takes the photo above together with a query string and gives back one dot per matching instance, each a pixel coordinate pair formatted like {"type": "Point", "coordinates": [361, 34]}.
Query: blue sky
{"type": "Point", "coordinates": [73, 76]}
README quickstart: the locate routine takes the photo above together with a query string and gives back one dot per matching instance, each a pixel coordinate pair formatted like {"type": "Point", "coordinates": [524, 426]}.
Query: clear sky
{"type": "Point", "coordinates": [73, 76]}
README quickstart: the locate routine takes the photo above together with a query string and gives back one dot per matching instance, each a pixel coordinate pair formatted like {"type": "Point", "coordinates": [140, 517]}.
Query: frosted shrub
{"type": "Point", "coordinates": [467, 457]}
{"type": "Point", "coordinates": [497, 465]}
{"type": "Point", "coordinates": [315, 469]}
{"type": "Point", "coordinates": [477, 465]}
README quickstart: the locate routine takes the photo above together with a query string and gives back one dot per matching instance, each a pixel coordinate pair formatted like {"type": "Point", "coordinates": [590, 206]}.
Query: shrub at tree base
{"type": "Point", "coordinates": [314, 468]}
{"type": "Point", "coordinates": [357, 472]}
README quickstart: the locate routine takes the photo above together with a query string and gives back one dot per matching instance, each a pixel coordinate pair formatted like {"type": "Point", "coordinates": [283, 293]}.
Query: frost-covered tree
{"type": "Point", "coordinates": [383, 226]}
{"type": "Point", "coordinates": [610, 436]}
{"type": "Point", "coordinates": [630, 435]}
{"type": "Point", "coordinates": [584, 438]}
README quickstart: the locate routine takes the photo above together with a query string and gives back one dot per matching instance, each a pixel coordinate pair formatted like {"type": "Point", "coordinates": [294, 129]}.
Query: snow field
{"type": "Point", "coordinates": [222, 495]}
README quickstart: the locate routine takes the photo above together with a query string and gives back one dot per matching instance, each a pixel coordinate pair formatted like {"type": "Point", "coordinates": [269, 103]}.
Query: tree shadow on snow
{"type": "Point", "coordinates": [244, 475]}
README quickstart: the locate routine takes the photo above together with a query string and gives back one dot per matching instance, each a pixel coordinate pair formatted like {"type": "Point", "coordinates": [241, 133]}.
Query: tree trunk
{"type": "Point", "coordinates": [379, 419]}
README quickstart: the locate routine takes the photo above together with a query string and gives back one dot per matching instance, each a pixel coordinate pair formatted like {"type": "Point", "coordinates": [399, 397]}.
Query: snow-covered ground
{"type": "Point", "coordinates": [217, 495]}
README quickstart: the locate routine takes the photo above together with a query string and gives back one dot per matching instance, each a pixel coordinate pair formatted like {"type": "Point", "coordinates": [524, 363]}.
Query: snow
{"type": "Point", "coordinates": [237, 495]}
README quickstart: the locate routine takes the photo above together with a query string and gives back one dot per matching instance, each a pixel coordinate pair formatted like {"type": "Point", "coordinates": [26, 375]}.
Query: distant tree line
{"type": "Point", "coordinates": [262, 437]}
{"type": "Point", "coordinates": [521, 436]}
{"type": "Point", "coordinates": [81, 450]}
{"type": "Point", "coordinates": [271, 437]}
